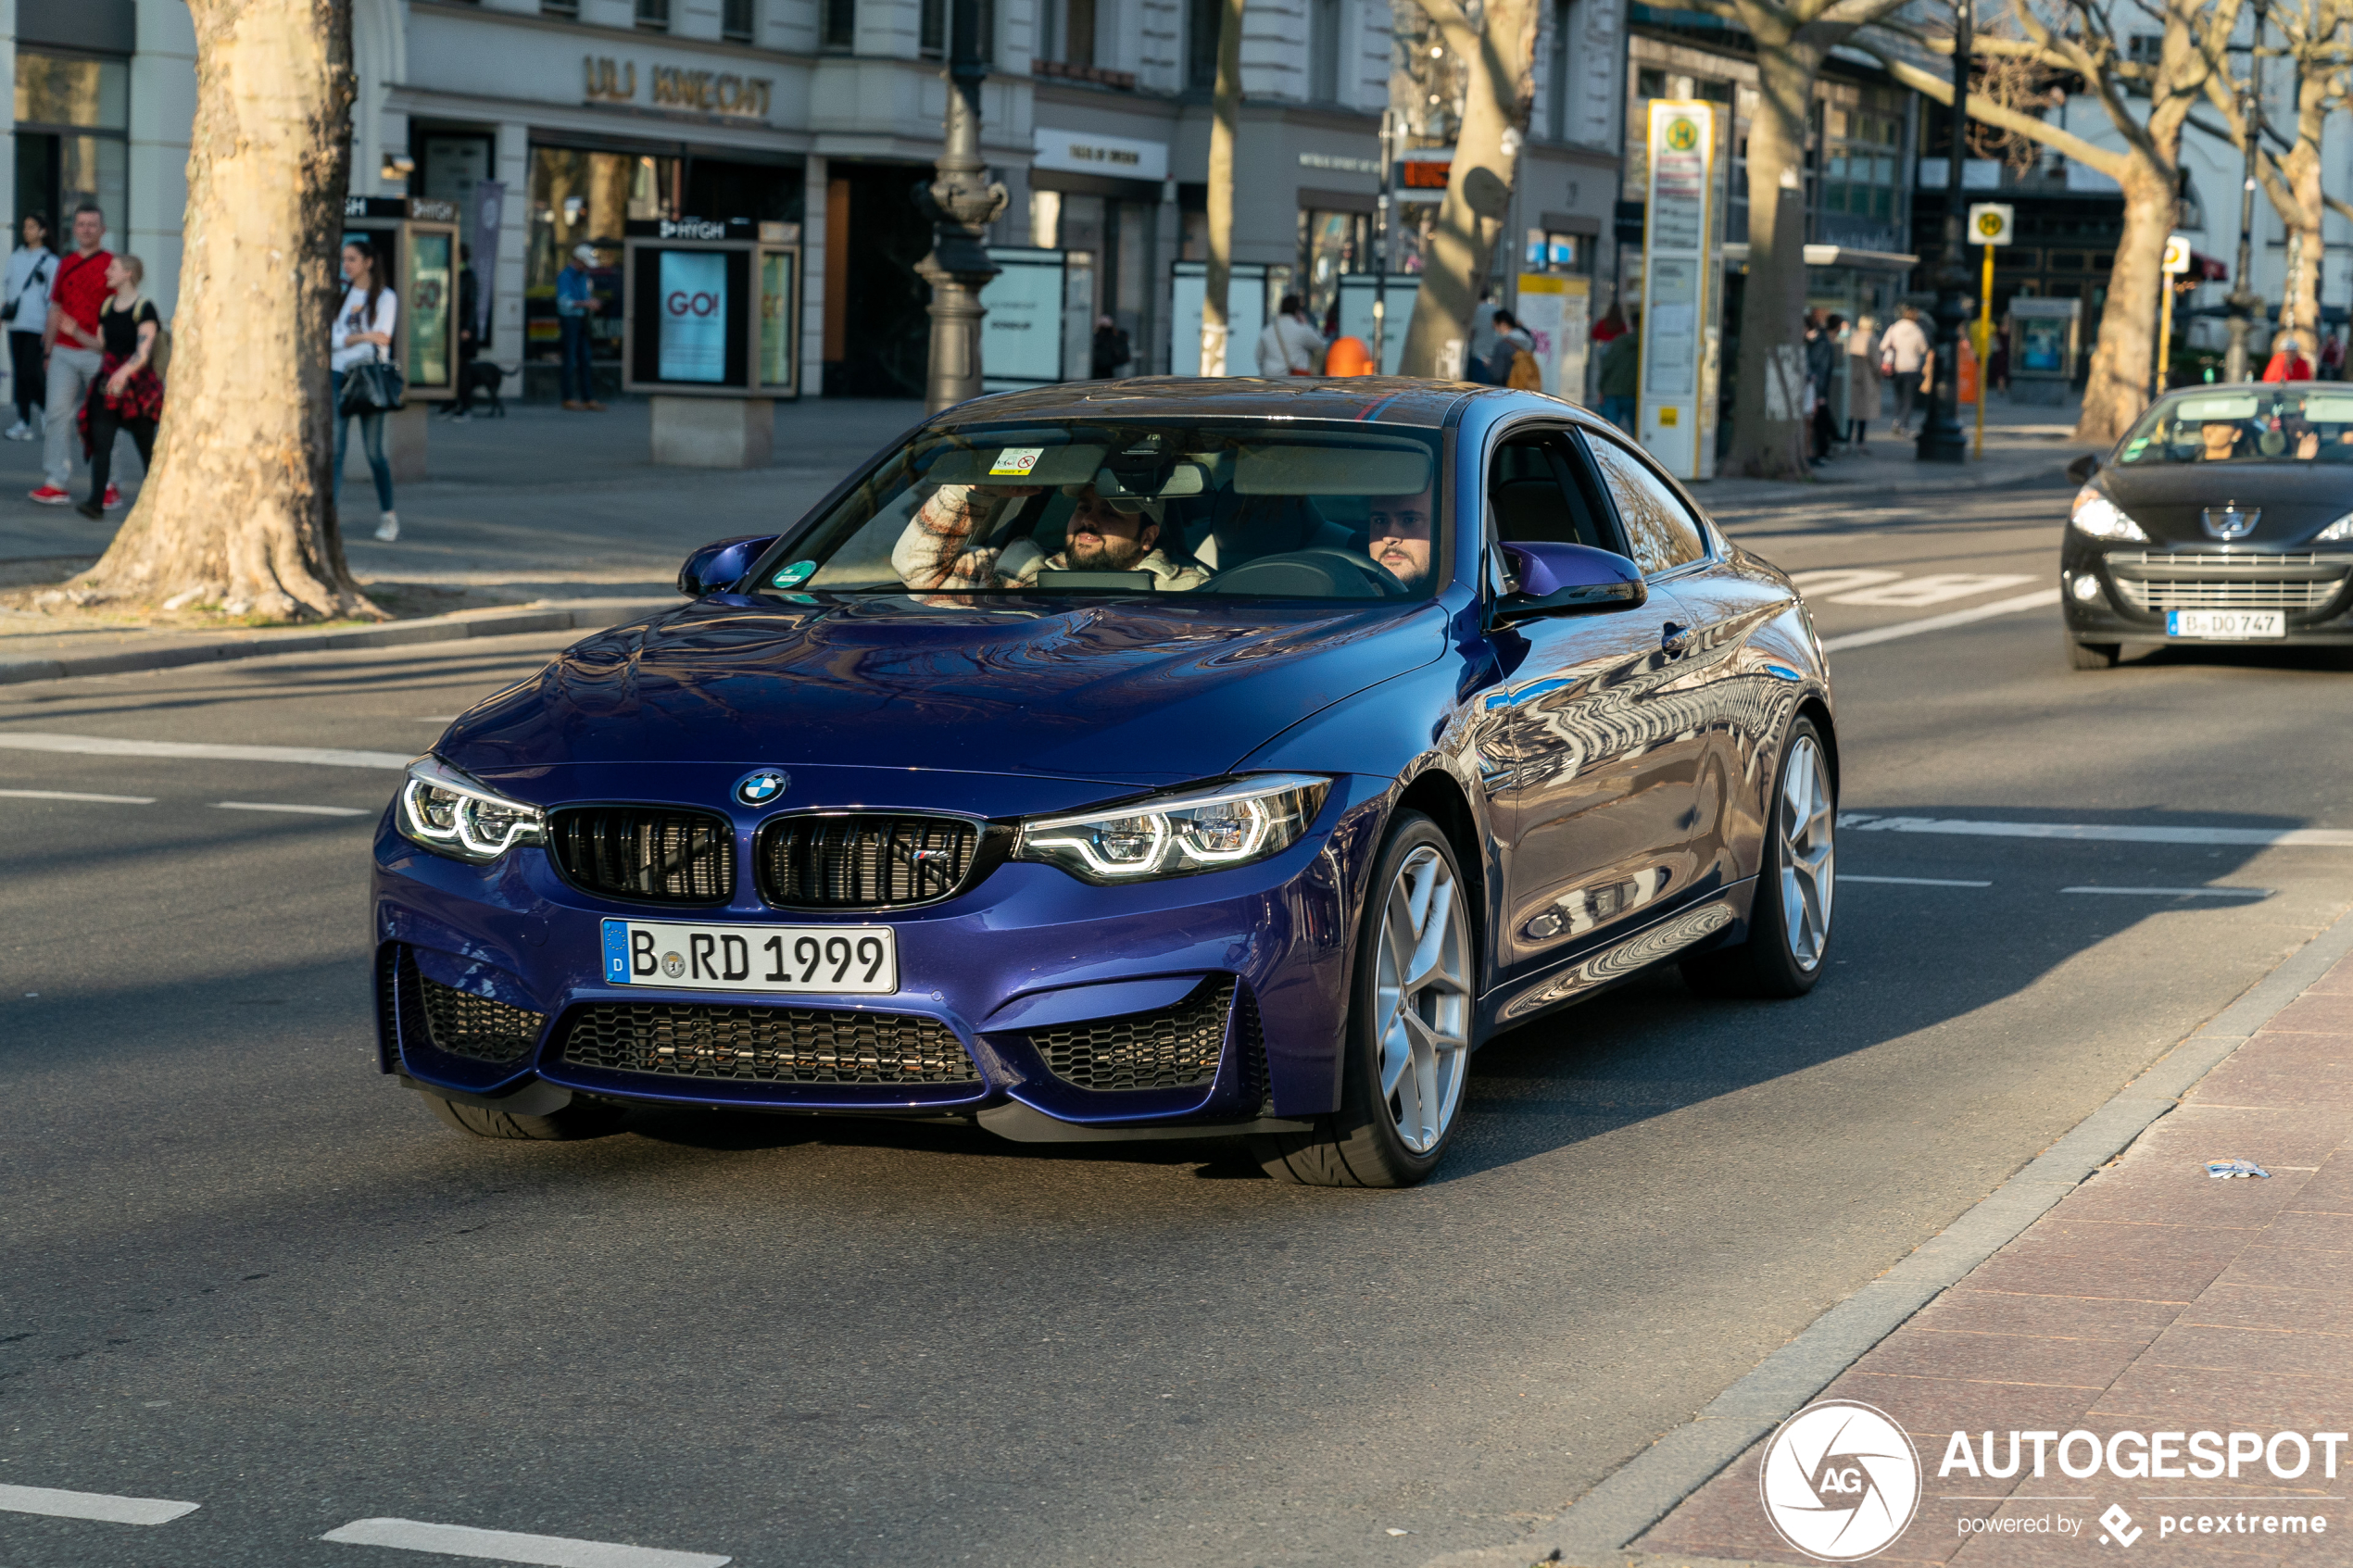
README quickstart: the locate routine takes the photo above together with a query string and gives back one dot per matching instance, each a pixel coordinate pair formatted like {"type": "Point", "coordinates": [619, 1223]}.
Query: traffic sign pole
{"type": "Point", "coordinates": [1989, 224]}
{"type": "Point", "coordinates": [2176, 262]}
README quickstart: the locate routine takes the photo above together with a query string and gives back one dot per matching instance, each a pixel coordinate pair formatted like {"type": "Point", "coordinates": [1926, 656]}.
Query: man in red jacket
{"type": "Point", "coordinates": [76, 295]}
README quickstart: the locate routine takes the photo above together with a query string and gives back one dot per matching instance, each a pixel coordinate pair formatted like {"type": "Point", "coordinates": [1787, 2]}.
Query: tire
{"type": "Point", "coordinates": [581, 1119]}
{"type": "Point", "coordinates": [1415, 1038]}
{"type": "Point", "coordinates": [2093, 656]}
{"type": "Point", "coordinates": [1789, 919]}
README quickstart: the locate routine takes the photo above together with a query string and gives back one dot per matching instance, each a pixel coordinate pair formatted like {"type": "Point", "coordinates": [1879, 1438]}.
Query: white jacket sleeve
{"type": "Point", "coordinates": [1271, 358]}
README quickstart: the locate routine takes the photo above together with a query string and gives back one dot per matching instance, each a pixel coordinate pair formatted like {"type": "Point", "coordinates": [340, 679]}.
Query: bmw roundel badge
{"type": "Point", "coordinates": [760, 788]}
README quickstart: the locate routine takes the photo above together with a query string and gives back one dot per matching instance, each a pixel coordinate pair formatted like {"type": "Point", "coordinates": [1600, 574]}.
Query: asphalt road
{"type": "Point", "coordinates": [239, 1269]}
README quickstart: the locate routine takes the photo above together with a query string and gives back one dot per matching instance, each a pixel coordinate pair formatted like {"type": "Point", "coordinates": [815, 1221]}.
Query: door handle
{"type": "Point", "coordinates": [1675, 640]}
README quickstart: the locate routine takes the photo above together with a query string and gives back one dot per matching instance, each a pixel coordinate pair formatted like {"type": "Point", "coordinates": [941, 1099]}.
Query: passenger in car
{"type": "Point", "coordinates": [1400, 538]}
{"type": "Point", "coordinates": [2219, 440]}
{"type": "Point", "coordinates": [1119, 535]}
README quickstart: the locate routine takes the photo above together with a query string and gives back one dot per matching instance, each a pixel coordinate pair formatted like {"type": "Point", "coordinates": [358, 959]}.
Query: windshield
{"type": "Point", "coordinates": [2245, 425]}
{"type": "Point", "coordinates": [1295, 510]}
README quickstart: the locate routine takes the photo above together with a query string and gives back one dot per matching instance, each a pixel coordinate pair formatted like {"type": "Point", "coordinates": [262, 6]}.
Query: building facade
{"type": "Point", "coordinates": [550, 123]}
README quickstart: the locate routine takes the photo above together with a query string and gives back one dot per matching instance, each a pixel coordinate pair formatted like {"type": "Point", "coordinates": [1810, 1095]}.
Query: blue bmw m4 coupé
{"type": "Point", "coordinates": [1152, 759]}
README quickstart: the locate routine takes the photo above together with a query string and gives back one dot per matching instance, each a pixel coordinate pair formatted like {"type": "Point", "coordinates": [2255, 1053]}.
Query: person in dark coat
{"type": "Point", "coordinates": [1112, 350]}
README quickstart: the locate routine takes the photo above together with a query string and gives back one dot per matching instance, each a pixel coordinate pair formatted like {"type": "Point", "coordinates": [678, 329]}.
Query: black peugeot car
{"type": "Point", "coordinates": [2225, 516]}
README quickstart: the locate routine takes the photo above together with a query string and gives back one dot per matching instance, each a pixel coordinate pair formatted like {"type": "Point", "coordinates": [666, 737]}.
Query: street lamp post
{"type": "Point", "coordinates": [2243, 300]}
{"type": "Point", "coordinates": [961, 203]}
{"type": "Point", "coordinates": [1942, 439]}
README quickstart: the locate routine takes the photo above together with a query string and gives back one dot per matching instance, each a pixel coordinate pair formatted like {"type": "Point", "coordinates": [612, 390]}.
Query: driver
{"type": "Point", "coordinates": [1400, 535]}
{"type": "Point", "coordinates": [2218, 439]}
{"type": "Point", "coordinates": [1104, 534]}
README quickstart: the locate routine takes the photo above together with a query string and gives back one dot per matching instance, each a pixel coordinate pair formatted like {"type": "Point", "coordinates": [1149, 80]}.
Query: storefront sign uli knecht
{"type": "Point", "coordinates": [675, 87]}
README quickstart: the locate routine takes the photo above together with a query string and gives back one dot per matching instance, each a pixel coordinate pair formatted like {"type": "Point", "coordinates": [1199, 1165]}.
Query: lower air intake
{"type": "Point", "coordinates": [766, 1045]}
{"type": "Point", "coordinates": [461, 1024]}
{"type": "Point", "coordinates": [1174, 1049]}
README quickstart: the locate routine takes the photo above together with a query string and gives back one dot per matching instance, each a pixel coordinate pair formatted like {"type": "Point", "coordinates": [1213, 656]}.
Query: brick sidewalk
{"type": "Point", "coordinates": [2151, 1299]}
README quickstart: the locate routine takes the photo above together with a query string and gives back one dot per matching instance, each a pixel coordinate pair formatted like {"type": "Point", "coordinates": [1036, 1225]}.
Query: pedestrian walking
{"type": "Point", "coordinates": [1512, 339]}
{"type": "Point", "coordinates": [71, 339]}
{"type": "Point", "coordinates": [1291, 345]}
{"type": "Point", "coordinates": [1112, 353]}
{"type": "Point", "coordinates": [1862, 380]}
{"type": "Point", "coordinates": [26, 309]}
{"type": "Point", "coordinates": [1903, 359]}
{"type": "Point", "coordinates": [128, 394]}
{"type": "Point", "coordinates": [1611, 325]}
{"type": "Point", "coordinates": [363, 332]}
{"type": "Point", "coordinates": [2287, 362]}
{"type": "Point", "coordinates": [1821, 359]}
{"type": "Point", "coordinates": [1620, 376]}
{"type": "Point", "coordinates": [2333, 355]}
{"type": "Point", "coordinates": [1482, 346]}
{"type": "Point", "coordinates": [575, 303]}
{"type": "Point", "coordinates": [468, 344]}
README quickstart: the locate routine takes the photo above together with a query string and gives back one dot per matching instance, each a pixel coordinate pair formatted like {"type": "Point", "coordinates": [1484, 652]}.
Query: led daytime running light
{"type": "Point", "coordinates": [451, 814]}
{"type": "Point", "coordinates": [2094, 514]}
{"type": "Point", "coordinates": [1177, 834]}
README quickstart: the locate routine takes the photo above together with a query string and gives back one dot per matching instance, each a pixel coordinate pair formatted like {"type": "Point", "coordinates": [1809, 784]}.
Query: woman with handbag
{"type": "Point", "coordinates": [30, 267]}
{"type": "Point", "coordinates": [128, 394]}
{"type": "Point", "coordinates": [366, 385]}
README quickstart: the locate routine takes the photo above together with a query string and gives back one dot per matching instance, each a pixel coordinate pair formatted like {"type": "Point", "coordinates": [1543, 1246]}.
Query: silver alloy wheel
{"type": "Point", "coordinates": [1807, 826]}
{"type": "Point", "coordinates": [1422, 991]}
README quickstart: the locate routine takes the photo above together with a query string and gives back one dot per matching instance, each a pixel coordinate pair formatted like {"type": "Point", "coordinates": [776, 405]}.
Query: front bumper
{"type": "Point", "coordinates": [490, 982]}
{"type": "Point", "coordinates": [2132, 587]}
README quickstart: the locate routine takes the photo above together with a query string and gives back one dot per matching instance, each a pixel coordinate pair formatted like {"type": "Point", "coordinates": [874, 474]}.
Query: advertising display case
{"type": "Point", "coordinates": [710, 308]}
{"type": "Point", "coordinates": [417, 238]}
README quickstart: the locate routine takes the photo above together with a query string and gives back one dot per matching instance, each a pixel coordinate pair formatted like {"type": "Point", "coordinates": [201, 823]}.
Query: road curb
{"type": "Point", "coordinates": [564, 615]}
{"type": "Point", "coordinates": [1598, 1529]}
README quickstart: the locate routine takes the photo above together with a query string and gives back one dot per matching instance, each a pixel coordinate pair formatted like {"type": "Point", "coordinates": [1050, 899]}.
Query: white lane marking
{"type": "Point", "coordinates": [306, 810]}
{"type": "Point", "coordinates": [1912, 881]}
{"type": "Point", "coordinates": [436, 719]}
{"type": "Point", "coordinates": [2041, 598]}
{"type": "Point", "coordinates": [107, 745]}
{"type": "Point", "coordinates": [1918, 593]}
{"type": "Point", "coordinates": [507, 1546]}
{"type": "Point", "coordinates": [2179, 892]}
{"type": "Point", "coordinates": [75, 794]}
{"type": "Point", "coordinates": [1837, 579]}
{"type": "Point", "coordinates": [2325, 838]}
{"type": "Point", "coordinates": [102, 1506]}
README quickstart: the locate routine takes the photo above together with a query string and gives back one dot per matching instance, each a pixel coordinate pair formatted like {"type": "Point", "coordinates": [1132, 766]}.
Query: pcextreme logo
{"type": "Point", "coordinates": [1839, 1481]}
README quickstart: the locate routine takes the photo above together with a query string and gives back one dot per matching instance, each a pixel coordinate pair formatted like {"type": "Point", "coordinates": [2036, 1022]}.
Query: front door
{"type": "Point", "coordinates": [1597, 801]}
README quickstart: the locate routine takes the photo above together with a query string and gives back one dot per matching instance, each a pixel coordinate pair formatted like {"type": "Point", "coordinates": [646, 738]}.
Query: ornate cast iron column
{"type": "Point", "coordinates": [960, 205]}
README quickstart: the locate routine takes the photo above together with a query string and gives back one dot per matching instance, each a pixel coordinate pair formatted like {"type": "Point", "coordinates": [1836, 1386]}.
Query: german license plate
{"type": "Point", "coordinates": [2228, 625]}
{"type": "Point", "coordinates": [859, 959]}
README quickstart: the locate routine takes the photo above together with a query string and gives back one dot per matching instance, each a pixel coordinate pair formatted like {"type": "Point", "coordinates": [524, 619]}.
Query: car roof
{"type": "Point", "coordinates": [1395, 400]}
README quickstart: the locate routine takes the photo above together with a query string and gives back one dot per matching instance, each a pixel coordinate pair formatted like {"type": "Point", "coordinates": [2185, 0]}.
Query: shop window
{"type": "Point", "coordinates": [1650, 84]}
{"type": "Point", "coordinates": [653, 16]}
{"type": "Point", "coordinates": [840, 24]}
{"type": "Point", "coordinates": [579, 197]}
{"type": "Point", "coordinates": [737, 21]}
{"type": "Point", "coordinates": [1332, 244]}
{"type": "Point", "coordinates": [71, 115]}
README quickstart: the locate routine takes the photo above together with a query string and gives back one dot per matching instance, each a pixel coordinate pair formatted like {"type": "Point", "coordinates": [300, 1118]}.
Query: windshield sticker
{"type": "Point", "coordinates": [796, 575]}
{"type": "Point", "coordinates": [1015, 462]}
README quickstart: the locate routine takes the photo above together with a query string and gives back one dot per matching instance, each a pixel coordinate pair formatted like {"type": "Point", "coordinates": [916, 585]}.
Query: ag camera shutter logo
{"type": "Point", "coordinates": [1839, 1481]}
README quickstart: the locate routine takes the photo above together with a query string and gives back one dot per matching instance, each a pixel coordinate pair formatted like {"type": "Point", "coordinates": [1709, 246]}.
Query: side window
{"type": "Point", "coordinates": [1661, 533]}
{"type": "Point", "coordinates": [1534, 497]}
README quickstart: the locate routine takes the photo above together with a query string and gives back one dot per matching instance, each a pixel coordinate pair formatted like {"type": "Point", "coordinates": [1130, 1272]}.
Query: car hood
{"type": "Point", "coordinates": [2169, 500]}
{"type": "Point", "coordinates": [1121, 692]}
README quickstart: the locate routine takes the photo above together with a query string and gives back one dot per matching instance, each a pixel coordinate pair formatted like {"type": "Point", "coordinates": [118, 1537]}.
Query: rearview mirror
{"type": "Point", "coordinates": [1566, 580]}
{"type": "Point", "coordinates": [2081, 469]}
{"type": "Point", "coordinates": [720, 565]}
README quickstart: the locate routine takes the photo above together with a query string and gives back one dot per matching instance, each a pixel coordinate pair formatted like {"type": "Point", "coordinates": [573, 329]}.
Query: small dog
{"type": "Point", "coordinates": [482, 377]}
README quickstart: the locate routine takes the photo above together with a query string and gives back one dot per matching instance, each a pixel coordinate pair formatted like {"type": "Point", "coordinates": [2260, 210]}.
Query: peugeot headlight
{"type": "Point", "coordinates": [1194, 830]}
{"type": "Point", "coordinates": [2096, 515]}
{"type": "Point", "coordinates": [2336, 532]}
{"type": "Point", "coordinates": [451, 814]}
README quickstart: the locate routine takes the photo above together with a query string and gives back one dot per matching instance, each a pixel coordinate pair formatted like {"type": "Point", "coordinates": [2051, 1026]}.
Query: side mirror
{"type": "Point", "coordinates": [1568, 580]}
{"type": "Point", "coordinates": [2081, 469]}
{"type": "Point", "coordinates": [720, 565]}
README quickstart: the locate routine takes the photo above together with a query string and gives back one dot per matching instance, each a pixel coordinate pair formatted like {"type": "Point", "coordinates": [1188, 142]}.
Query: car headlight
{"type": "Point", "coordinates": [2096, 515]}
{"type": "Point", "coordinates": [2335, 533]}
{"type": "Point", "coordinates": [452, 814]}
{"type": "Point", "coordinates": [1195, 830]}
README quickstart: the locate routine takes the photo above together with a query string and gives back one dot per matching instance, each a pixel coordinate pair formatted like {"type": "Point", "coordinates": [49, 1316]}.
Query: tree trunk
{"type": "Point", "coordinates": [237, 510]}
{"type": "Point", "coordinates": [1768, 425]}
{"type": "Point", "coordinates": [2300, 308]}
{"type": "Point", "coordinates": [1498, 60]}
{"type": "Point", "coordinates": [1216, 333]}
{"type": "Point", "coordinates": [2117, 388]}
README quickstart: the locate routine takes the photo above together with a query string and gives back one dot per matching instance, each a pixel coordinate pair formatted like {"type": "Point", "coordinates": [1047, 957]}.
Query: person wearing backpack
{"type": "Point", "coordinates": [127, 394]}
{"type": "Point", "coordinates": [26, 310]}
